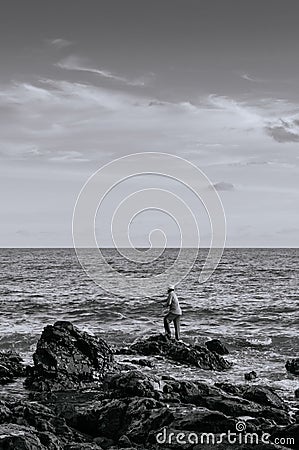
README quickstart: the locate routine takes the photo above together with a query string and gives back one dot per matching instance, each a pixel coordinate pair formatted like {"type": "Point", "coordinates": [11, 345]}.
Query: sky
{"type": "Point", "coordinates": [214, 82]}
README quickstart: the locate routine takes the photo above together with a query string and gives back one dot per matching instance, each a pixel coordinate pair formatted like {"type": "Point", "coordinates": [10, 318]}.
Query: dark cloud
{"type": "Point", "coordinates": [224, 186]}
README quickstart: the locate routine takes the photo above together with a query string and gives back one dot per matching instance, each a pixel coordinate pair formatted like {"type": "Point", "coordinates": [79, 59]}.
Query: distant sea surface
{"type": "Point", "coordinates": [250, 303]}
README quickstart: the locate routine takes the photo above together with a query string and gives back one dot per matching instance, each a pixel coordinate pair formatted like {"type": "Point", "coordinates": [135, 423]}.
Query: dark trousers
{"type": "Point", "coordinates": [175, 318]}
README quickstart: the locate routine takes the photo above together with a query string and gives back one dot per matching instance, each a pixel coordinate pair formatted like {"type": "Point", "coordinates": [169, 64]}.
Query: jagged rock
{"type": "Point", "coordinates": [259, 423]}
{"type": "Point", "coordinates": [5, 412]}
{"type": "Point", "coordinates": [196, 392]}
{"type": "Point", "coordinates": [180, 352]}
{"type": "Point", "coordinates": [231, 405]}
{"type": "Point", "coordinates": [19, 437]}
{"type": "Point", "coordinates": [106, 419]}
{"type": "Point", "coordinates": [50, 441]}
{"type": "Point", "coordinates": [33, 414]}
{"type": "Point", "coordinates": [263, 396]}
{"type": "Point", "coordinates": [216, 346]}
{"type": "Point", "coordinates": [37, 422]}
{"type": "Point", "coordinates": [193, 422]}
{"type": "Point", "coordinates": [215, 399]}
{"type": "Point", "coordinates": [204, 420]}
{"type": "Point", "coordinates": [250, 375]}
{"type": "Point", "coordinates": [255, 402]}
{"type": "Point", "coordinates": [203, 408]}
{"type": "Point", "coordinates": [10, 367]}
{"type": "Point", "coordinates": [67, 358]}
{"type": "Point", "coordinates": [230, 388]}
{"type": "Point", "coordinates": [133, 417]}
{"type": "Point", "coordinates": [292, 366]}
{"type": "Point", "coordinates": [132, 384]}
{"type": "Point", "coordinates": [124, 442]}
{"type": "Point", "coordinates": [235, 406]}
{"type": "Point", "coordinates": [148, 421]}
{"type": "Point", "coordinates": [42, 419]}
{"type": "Point", "coordinates": [128, 408]}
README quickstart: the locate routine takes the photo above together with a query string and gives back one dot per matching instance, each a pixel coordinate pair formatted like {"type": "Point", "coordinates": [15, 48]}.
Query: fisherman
{"type": "Point", "coordinates": [174, 313]}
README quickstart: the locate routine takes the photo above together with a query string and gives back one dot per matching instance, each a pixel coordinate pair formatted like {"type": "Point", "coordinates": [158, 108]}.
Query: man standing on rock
{"type": "Point", "coordinates": [173, 314]}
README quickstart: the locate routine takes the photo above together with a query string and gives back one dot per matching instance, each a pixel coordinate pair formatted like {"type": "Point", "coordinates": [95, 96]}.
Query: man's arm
{"type": "Point", "coordinates": [169, 300]}
{"type": "Point", "coordinates": [160, 300]}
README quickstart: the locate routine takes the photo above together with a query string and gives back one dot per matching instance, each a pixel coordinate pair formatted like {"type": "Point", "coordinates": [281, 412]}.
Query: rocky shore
{"type": "Point", "coordinates": [80, 396]}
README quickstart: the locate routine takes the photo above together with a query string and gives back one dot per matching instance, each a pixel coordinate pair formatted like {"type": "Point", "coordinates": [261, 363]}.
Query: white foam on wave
{"type": "Point", "coordinates": [260, 341]}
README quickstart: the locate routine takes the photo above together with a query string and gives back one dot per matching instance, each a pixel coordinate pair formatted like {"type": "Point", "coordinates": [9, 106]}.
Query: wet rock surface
{"type": "Point", "coordinates": [216, 346]}
{"type": "Point", "coordinates": [67, 358]}
{"type": "Point", "coordinates": [292, 366]}
{"type": "Point", "coordinates": [130, 408]}
{"type": "Point", "coordinates": [263, 396]}
{"type": "Point", "coordinates": [194, 355]}
{"type": "Point", "coordinates": [11, 366]}
{"type": "Point", "coordinates": [13, 436]}
{"type": "Point", "coordinates": [249, 376]}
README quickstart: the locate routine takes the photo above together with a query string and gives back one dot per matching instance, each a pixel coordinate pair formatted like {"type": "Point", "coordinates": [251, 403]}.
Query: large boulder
{"type": "Point", "coordinates": [180, 352]}
{"type": "Point", "coordinates": [26, 424]}
{"type": "Point", "coordinates": [264, 396]}
{"type": "Point", "coordinates": [203, 420]}
{"type": "Point", "coordinates": [112, 418]}
{"type": "Point", "coordinates": [249, 376]}
{"type": "Point", "coordinates": [5, 412]}
{"type": "Point", "coordinates": [11, 366]}
{"type": "Point", "coordinates": [292, 366]}
{"type": "Point", "coordinates": [147, 421]}
{"type": "Point", "coordinates": [67, 359]}
{"type": "Point", "coordinates": [196, 392]}
{"type": "Point", "coordinates": [19, 437]}
{"type": "Point", "coordinates": [216, 346]}
{"type": "Point", "coordinates": [133, 383]}
{"type": "Point", "coordinates": [232, 389]}
{"type": "Point", "coordinates": [235, 406]}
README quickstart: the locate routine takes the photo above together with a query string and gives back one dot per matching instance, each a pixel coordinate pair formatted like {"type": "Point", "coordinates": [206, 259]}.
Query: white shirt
{"type": "Point", "coordinates": [173, 303]}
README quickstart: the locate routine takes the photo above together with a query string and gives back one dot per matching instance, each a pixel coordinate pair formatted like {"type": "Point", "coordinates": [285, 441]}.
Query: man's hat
{"type": "Point", "coordinates": [171, 287]}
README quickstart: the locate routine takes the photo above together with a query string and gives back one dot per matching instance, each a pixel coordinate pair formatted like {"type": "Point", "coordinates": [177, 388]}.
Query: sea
{"type": "Point", "coordinates": [250, 303]}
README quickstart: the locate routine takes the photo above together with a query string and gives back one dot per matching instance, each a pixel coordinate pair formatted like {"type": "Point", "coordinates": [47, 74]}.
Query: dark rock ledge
{"type": "Point", "coordinates": [80, 398]}
{"type": "Point", "coordinates": [194, 355]}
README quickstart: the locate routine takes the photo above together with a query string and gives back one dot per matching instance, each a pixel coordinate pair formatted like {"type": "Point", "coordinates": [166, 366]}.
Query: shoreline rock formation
{"type": "Point", "coordinates": [193, 355]}
{"type": "Point", "coordinates": [80, 398]}
{"type": "Point", "coordinates": [67, 358]}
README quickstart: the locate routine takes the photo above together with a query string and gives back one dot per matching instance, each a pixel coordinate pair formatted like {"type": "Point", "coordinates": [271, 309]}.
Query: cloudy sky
{"type": "Point", "coordinates": [84, 82]}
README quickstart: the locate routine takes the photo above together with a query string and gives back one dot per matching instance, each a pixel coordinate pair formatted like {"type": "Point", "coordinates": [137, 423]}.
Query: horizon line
{"type": "Point", "coordinates": [144, 248]}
